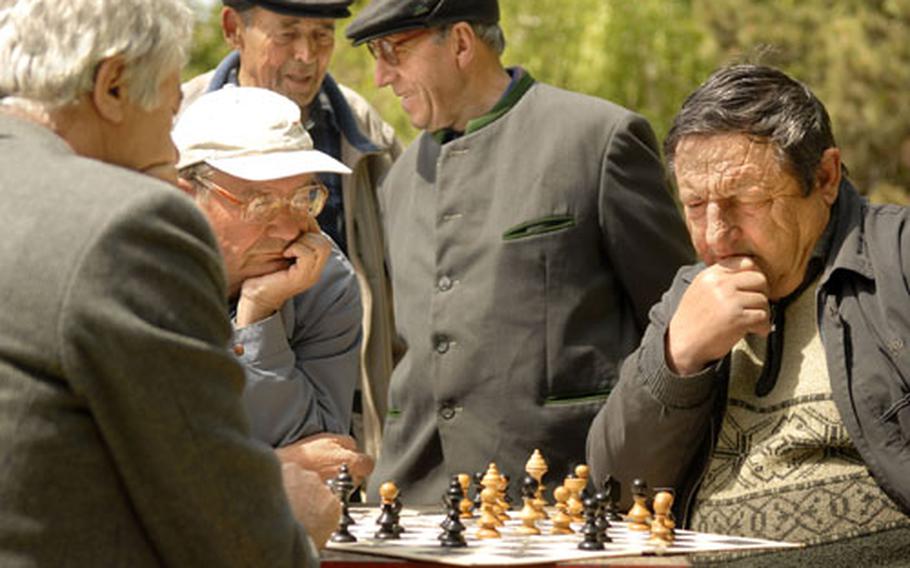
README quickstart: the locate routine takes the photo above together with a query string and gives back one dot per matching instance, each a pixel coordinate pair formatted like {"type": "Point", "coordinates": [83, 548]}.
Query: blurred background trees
{"type": "Point", "coordinates": [648, 55]}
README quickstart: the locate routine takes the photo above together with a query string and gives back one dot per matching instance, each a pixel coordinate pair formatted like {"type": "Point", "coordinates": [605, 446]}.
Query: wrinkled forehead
{"type": "Point", "coordinates": [267, 19]}
{"type": "Point", "coordinates": [725, 162]}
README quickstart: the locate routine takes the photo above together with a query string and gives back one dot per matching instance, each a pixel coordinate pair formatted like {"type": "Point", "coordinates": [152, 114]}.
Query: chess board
{"type": "Point", "coordinates": [420, 542]}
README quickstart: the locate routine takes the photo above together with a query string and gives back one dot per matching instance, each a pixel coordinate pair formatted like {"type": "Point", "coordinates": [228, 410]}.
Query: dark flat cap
{"type": "Point", "coordinates": [384, 17]}
{"type": "Point", "coordinates": [299, 8]}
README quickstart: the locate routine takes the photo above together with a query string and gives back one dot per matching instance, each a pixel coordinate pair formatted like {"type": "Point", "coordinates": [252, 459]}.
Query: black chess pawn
{"type": "Point", "coordinates": [396, 509]}
{"type": "Point", "coordinates": [478, 489]}
{"type": "Point", "coordinates": [602, 521]}
{"type": "Point", "coordinates": [342, 485]}
{"type": "Point", "coordinates": [592, 538]}
{"type": "Point", "coordinates": [613, 489]}
{"type": "Point", "coordinates": [528, 487]}
{"type": "Point", "coordinates": [452, 526]}
{"type": "Point", "coordinates": [505, 490]}
{"type": "Point", "coordinates": [389, 527]}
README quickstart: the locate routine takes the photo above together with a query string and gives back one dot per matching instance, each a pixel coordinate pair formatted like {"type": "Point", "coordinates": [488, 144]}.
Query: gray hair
{"type": "Point", "coordinates": [764, 103]}
{"type": "Point", "coordinates": [50, 49]}
{"type": "Point", "coordinates": [489, 34]}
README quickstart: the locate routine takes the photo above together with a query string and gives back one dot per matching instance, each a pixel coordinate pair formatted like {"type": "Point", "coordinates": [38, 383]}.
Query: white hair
{"type": "Point", "coordinates": [50, 49]}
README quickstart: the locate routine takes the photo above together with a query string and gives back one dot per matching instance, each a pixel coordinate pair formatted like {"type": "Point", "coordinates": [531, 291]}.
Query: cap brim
{"type": "Point", "coordinates": [277, 165]}
{"type": "Point", "coordinates": [369, 35]}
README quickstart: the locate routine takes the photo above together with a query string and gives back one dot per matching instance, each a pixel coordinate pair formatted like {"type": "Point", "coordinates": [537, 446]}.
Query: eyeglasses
{"type": "Point", "coordinates": [390, 51]}
{"type": "Point", "coordinates": [307, 200]}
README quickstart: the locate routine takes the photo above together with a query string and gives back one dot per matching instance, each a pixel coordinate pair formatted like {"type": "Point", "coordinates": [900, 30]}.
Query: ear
{"type": "Point", "coordinates": [828, 175]}
{"type": "Point", "coordinates": [232, 27]}
{"type": "Point", "coordinates": [464, 43]}
{"type": "Point", "coordinates": [109, 93]}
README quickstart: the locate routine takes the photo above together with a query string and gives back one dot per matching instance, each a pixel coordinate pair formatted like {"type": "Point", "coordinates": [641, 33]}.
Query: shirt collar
{"type": "Point", "coordinates": [519, 83]}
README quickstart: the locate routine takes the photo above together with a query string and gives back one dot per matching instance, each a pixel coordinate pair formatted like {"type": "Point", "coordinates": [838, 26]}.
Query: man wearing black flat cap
{"type": "Point", "coordinates": [530, 230]}
{"type": "Point", "coordinates": [286, 46]}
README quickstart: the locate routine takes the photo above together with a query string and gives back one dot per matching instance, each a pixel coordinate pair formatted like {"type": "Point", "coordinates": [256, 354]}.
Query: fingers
{"type": "Point", "coordinates": [326, 453]}
{"type": "Point", "coordinates": [724, 302]}
{"type": "Point", "coordinates": [312, 503]}
{"type": "Point", "coordinates": [311, 251]}
{"type": "Point", "coordinates": [360, 466]}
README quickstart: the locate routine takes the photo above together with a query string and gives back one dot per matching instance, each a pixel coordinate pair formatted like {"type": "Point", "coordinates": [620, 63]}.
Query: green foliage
{"type": "Point", "coordinates": [648, 55]}
{"type": "Point", "coordinates": [208, 46]}
{"type": "Point", "coordinates": [853, 54]}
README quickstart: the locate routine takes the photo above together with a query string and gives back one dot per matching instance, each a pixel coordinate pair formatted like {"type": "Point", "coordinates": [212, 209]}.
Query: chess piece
{"type": "Point", "coordinates": [502, 500]}
{"type": "Point", "coordinates": [478, 488]}
{"type": "Point", "coordinates": [669, 520]}
{"type": "Point", "coordinates": [602, 521]}
{"type": "Point", "coordinates": [493, 480]}
{"type": "Point", "coordinates": [341, 486]}
{"type": "Point", "coordinates": [389, 529]}
{"type": "Point", "coordinates": [528, 514]}
{"type": "Point", "coordinates": [561, 520]}
{"type": "Point", "coordinates": [396, 510]}
{"type": "Point", "coordinates": [488, 521]}
{"type": "Point", "coordinates": [663, 526]}
{"type": "Point", "coordinates": [592, 538]}
{"type": "Point", "coordinates": [537, 468]}
{"type": "Point", "coordinates": [575, 505]}
{"type": "Point", "coordinates": [613, 489]}
{"type": "Point", "coordinates": [452, 536]}
{"type": "Point", "coordinates": [639, 516]}
{"type": "Point", "coordinates": [582, 471]}
{"type": "Point", "coordinates": [505, 491]}
{"type": "Point", "coordinates": [466, 506]}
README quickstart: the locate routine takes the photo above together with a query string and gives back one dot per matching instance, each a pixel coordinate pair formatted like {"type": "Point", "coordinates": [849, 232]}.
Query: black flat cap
{"type": "Point", "coordinates": [384, 17]}
{"type": "Point", "coordinates": [299, 8]}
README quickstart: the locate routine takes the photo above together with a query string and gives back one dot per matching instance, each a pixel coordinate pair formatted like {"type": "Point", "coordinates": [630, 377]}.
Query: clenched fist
{"type": "Point", "coordinates": [726, 301]}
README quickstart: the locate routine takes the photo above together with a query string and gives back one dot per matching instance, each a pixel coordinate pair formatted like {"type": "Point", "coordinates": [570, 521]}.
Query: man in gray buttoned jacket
{"type": "Point", "coordinates": [122, 437]}
{"type": "Point", "coordinates": [529, 229]}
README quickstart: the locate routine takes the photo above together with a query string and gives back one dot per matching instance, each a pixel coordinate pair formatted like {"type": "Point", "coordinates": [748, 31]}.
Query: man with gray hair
{"type": "Point", "coordinates": [123, 439]}
{"type": "Point", "coordinates": [770, 389]}
{"type": "Point", "coordinates": [529, 229]}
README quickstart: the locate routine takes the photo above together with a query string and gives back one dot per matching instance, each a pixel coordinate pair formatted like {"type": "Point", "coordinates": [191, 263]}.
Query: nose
{"type": "Point", "coordinates": [383, 73]}
{"type": "Point", "coordinates": [720, 232]}
{"type": "Point", "coordinates": [285, 225]}
{"type": "Point", "coordinates": [303, 49]}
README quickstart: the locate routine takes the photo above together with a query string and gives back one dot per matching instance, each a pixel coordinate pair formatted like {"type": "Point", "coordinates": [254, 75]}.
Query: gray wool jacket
{"type": "Point", "coordinates": [662, 428]}
{"type": "Point", "coordinates": [122, 437]}
{"type": "Point", "coordinates": [524, 258]}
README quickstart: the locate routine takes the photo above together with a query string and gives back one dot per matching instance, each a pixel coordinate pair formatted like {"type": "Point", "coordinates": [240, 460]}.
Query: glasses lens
{"type": "Point", "coordinates": [317, 196]}
{"type": "Point", "coordinates": [261, 208]}
{"type": "Point", "coordinates": [384, 49]}
{"type": "Point", "coordinates": [373, 49]}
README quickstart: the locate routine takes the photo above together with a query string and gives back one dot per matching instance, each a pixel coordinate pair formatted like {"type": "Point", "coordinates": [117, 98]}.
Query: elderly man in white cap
{"type": "Point", "coordinates": [294, 299]}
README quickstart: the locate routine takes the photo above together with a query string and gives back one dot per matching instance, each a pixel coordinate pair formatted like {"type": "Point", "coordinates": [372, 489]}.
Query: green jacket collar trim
{"type": "Point", "coordinates": [520, 83]}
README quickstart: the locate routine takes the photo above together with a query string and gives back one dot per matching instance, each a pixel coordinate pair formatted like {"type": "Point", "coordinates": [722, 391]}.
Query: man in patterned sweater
{"type": "Point", "coordinates": [771, 387]}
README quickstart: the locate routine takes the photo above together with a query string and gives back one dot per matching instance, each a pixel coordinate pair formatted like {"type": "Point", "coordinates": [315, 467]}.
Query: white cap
{"type": "Point", "coordinates": [249, 133]}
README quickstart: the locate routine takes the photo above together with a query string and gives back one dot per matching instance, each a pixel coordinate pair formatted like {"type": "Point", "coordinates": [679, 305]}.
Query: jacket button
{"type": "Point", "coordinates": [444, 284]}
{"type": "Point", "coordinates": [442, 344]}
{"type": "Point", "coordinates": [447, 412]}
{"type": "Point", "coordinates": [896, 344]}
{"type": "Point", "coordinates": [238, 349]}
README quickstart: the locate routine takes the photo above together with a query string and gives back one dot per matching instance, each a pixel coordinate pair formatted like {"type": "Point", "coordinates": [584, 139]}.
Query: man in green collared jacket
{"type": "Point", "coordinates": [529, 230]}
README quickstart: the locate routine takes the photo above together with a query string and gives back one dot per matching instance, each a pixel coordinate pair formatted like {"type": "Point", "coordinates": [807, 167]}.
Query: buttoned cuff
{"type": "Point", "coordinates": [261, 341]}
